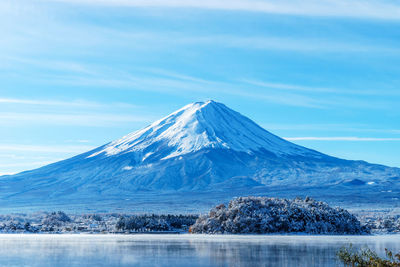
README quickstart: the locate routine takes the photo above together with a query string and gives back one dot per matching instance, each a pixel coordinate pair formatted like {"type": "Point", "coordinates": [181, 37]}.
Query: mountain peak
{"type": "Point", "coordinates": [197, 126]}
{"type": "Point", "coordinates": [204, 147]}
{"type": "Point", "coordinates": [196, 106]}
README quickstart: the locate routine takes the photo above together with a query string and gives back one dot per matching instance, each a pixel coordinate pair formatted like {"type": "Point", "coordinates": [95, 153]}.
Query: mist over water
{"type": "Point", "coordinates": [181, 250]}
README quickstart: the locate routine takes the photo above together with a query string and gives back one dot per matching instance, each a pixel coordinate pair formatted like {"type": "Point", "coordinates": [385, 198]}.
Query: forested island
{"type": "Point", "coordinates": [262, 215]}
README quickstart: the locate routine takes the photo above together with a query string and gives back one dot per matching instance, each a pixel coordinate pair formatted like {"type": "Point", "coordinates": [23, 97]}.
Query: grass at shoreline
{"type": "Point", "coordinates": [365, 257]}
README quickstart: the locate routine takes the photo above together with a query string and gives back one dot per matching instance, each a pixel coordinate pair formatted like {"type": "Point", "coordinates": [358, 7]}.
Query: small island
{"type": "Point", "coordinates": [263, 215]}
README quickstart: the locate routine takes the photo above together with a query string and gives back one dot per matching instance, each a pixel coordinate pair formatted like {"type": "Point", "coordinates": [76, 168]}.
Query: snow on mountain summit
{"type": "Point", "coordinates": [197, 126]}
{"type": "Point", "coordinates": [202, 152]}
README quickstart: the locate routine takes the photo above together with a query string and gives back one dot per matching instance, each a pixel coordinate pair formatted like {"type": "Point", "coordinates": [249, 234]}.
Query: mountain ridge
{"type": "Point", "coordinates": [202, 148]}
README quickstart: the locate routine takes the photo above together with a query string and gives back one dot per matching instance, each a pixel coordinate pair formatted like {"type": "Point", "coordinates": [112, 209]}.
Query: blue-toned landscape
{"type": "Point", "coordinates": [203, 133]}
{"type": "Point", "coordinates": [205, 153]}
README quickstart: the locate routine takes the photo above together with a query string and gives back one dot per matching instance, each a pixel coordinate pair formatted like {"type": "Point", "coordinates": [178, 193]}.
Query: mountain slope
{"type": "Point", "coordinates": [198, 126]}
{"type": "Point", "coordinates": [203, 148]}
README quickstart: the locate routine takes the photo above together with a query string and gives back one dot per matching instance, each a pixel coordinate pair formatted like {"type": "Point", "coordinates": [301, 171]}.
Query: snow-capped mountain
{"type": "Point", "coordinates": [199, 126]}
{"type": "Point", "coordinates": [201, 152]}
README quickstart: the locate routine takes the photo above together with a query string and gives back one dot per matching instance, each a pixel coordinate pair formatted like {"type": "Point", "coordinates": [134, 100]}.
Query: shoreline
{"type": "Point", "coordinates": [206, 236]}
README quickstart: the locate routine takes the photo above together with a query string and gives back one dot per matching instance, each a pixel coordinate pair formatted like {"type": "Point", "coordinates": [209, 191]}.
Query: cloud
{"type": "Point", "coordinates": [70, 119]}
{"type": "Point", "coordinates": [324, 90]}
{"type": "Point", "coordinates": [45, 148]}
{"type": "Point", "coordinates": [310, 45]}
{"type": "Point", "coordinates": [49, 102]}
{"type": "Point", "coordinates": [7, 173]}
{"type": "Point", "coordinates": [169, 82]}
{"type": "Point", "coordinates": [371, 9]}
{"type": "Point", "coordinates": [177, 86]}
{"type": "Point", "coordinates": [34, 164]}
{"type": "Point", "coordinates": [15, 158]}
{"type": "Point", "coordinates": [146, 79]}
{"type": "Point", "coordinates": [364, 128]}
{"type": "Point", "coordinates": [341, 138]}
{"type": "Point", "coordinates": [83, 141]}
{"type": "Point", "coordinates": [16, 167]}
{"type": "Point", "coordinates": [57, 103]}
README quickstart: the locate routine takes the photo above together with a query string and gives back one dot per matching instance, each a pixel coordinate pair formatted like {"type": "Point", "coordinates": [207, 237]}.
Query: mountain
{"type": "Point", "coordinates": [199, 155]}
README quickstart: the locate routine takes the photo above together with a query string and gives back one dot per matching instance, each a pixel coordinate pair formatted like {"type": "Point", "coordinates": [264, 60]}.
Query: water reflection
{"type": "Point", "coordinates": [180, 250]}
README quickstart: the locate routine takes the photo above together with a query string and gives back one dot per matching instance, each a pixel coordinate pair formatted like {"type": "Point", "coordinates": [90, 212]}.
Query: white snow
{"type": "Point", "coordinates": [202, 125]}
{"type": "Point", "coordinates": [147, 155]}
{"type": "Point", "coordinates": [261, 215]}
{"type": "Point", "coordinates": [127, 168]}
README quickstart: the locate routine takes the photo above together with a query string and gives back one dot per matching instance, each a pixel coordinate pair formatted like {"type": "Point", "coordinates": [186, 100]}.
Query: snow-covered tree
{"type": "Point", "coordinates": [155, 222]}
{"type": "Point", "coordinates": [274, 215]}
{"type": "Point", "coordinates": [56, 219]}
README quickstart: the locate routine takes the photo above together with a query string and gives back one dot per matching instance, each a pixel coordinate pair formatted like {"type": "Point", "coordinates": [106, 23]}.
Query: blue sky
{"type": "Point", "coordinates": [76, 74]}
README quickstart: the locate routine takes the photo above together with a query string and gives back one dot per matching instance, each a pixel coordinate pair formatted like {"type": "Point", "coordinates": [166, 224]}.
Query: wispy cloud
{"type": "Point", "coordinates": [324, 90]}
{"type": "Point", "coordinates": [7, 173]}
{"type": "Point", "coordinates": [61, 65]}
{"type": "Point", "coordinates": [332, 8]}
{"type": "Point", "coordinates": [169, 82]}
{"type": "Point", "coordinates": [72, 103]}
{"type": "Point", "coordinates": [359, 128]}
{"type": "Point", "coordinates": [341, 138]}
{"type": "Point", "coordinates": [155, 41]}
{"type": "Point", "coordinates": [148, 80]}
{"type": "Point", "coordinates": [28, 165]}
{"type": "Point", "coordinates": [16, 167]}
{"type": "Point", "coordinates": [49, 102]}
{"type": "Point", "coordinates": [92, 120]}
{"type": "Point", "coordinates": [177, 85]}
{"type": "Point", "coordinates": [45, 148]}
{"type": "Point", "coordinates": [303, 44]}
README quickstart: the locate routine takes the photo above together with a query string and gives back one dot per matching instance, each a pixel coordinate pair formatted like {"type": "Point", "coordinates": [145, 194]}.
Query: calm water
{"type": "Point", "coordinates": [180, 250]}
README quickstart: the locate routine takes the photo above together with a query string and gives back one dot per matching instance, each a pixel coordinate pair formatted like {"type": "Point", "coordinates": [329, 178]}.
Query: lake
{"type": "Point", "coordinates": [181, 250]}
